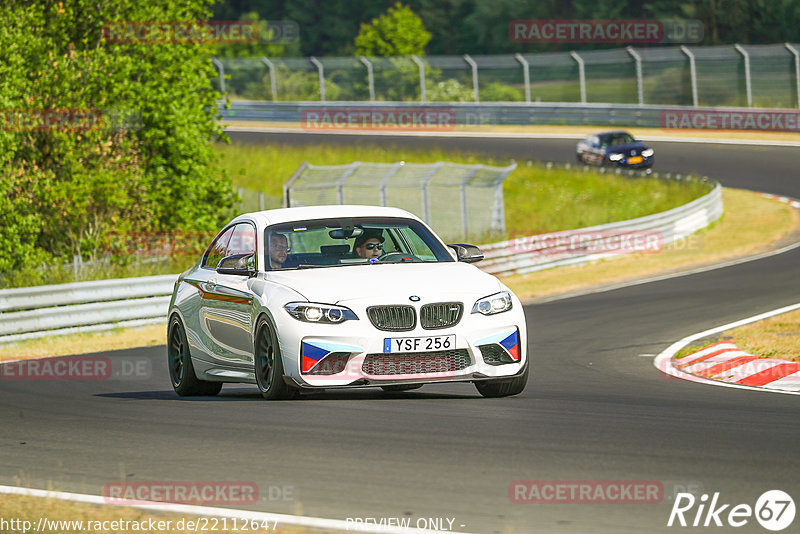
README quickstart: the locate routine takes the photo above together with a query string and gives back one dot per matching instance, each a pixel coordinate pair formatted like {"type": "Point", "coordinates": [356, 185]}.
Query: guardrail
{"type": "Point", "coordinates": [475, 114]}
{"type": "Point", "coordinates": [33, 312]}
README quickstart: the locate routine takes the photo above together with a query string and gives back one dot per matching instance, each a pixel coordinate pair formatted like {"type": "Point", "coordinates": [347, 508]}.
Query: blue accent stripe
{"type": "Point", "coordinates": [509, 342]}
{"type": "Point", "coordinates": [314, 352]}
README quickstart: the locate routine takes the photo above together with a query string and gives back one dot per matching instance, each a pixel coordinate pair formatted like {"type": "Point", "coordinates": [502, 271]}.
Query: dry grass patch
{"type": "Point", "coordinates": [119, 338]}
{"type": "Point", "coordinates": [776, 337]}
{"type": "Point", "coordinates": [33, 509]}
{"type": "Point", "coordinates": [749, 225]}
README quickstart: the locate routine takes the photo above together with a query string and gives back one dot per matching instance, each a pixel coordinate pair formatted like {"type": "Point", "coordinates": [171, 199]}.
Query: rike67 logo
{"type": "Point", "coordinates": [774, 510]}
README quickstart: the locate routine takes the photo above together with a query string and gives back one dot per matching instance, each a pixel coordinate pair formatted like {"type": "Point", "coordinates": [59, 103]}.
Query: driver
{"type": "Point", "coordinates": [369, 244]}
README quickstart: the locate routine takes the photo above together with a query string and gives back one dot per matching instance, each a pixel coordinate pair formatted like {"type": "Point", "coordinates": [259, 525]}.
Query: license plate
{"type": "Point", "coordinates": [635, 159]}
{"type": "Point", "coordinates": [418, 344]}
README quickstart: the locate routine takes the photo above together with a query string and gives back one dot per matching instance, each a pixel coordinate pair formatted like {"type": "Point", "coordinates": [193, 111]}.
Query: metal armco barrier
{"type": "Point", "coordinates": [33, 312]}
{"type": "Point", "coordinates": [472, 114]}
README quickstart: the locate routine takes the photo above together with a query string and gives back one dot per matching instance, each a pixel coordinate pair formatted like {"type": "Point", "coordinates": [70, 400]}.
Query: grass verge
{"type": "Point", "coordinates": [750, 224]}
{"type": "Point", "coordinates": [84, 343]}
{"type": "Point", "coordinates": [777, 337]}
{"type": "Point", "coordinates": [537, 199]}
{"type": "Point", "coordinates": [59, 517]}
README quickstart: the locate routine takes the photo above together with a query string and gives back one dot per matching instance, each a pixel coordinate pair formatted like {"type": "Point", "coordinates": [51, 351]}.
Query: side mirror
{"type": "Point", "coordinates": [467, 253]}
{"type": "Point", "coordinates": [238, 264]}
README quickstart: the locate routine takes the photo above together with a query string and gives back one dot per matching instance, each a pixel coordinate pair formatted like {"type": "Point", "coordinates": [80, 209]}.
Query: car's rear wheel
{"type": "Point", "coordinates": [181, 371]}
{"type": "Point", "coordinates": [503, 387]}
{"type": "Point", "coordinates": [268, 364]}
{"type": "Point", "coordinates": [400, 387]}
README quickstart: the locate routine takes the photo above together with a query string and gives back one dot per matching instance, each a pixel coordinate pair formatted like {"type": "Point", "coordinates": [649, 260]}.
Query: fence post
{"type": "Point", "coordinates": [394, 169]}
{"type": "Point", "coordinates": [581, 74]}
{"type": "Point", "coordinates": [747, 82]}
{"type": "Point", "coordinates": [273, 81]}
{"type": "Point", "coordinates": [370, 78]}
{"type": "Point", "coordinates": [639, 82]}
{"type": "Point", "coordinates": [288, 185]}
{"type": "Point", "coordinates": [464, 214]}
{"type": "Point", "coordinates": [347, 173]}
{"type": "Point", "coordinates": [474, 67]}
{"type": "Point", "coordinates": [526, 76]}
{"type": "Point", "coordinates": [321, 71]}
{"type": "Point", "coordinates": [796, 55]}
{"type": "Point", "coordinates": [426, 209]}
{"type": "Point", "coordinates": [261, 206]}
{"type": "Point", "coordinates": [692, 73]}
{"type": "Point", "coordinates": [421, 66]}
{"type": "Point", "coordinates": [221, 68]}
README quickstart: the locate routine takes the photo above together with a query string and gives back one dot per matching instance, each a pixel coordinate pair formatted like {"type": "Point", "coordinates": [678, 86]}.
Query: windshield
{"type": "Point", "coordinates": [617, 139]}
{"type": "Point", "coordinates": [356, 241]}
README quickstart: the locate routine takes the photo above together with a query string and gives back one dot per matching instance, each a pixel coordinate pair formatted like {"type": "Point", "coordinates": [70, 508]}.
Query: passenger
{"type": "Point", "coordinates": [369, 244]}
{"type": "Point", "coordinates": [278, 249]}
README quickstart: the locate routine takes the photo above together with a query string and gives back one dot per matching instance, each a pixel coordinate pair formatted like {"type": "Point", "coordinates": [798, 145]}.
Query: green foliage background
{"type": "Point", "coordinates": [150, 166]}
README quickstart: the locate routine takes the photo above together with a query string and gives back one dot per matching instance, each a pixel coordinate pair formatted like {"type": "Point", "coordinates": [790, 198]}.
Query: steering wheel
{"type": "Point", "coordinates": [398, 257]}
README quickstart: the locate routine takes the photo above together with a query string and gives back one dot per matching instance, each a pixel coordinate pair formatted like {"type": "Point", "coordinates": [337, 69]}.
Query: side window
{"type": "Point", "coordinates": [243, 240]}
{"type": "Point", "coordinates": [218, 249]}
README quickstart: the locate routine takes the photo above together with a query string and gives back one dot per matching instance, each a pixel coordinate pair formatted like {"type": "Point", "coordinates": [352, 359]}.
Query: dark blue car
{"type": "Point", "coordinates": [618, 149]}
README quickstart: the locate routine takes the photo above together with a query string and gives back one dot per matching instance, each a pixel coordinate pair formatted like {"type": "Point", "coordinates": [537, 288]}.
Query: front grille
{"type": "Point", "coordinates": [403, 363]}
{"type": "Point", "coordinates": [393, 318]}
{"type": "Point", "coordinates": [440, 315]}
{"type": "Point", "coordinates": [332, 364]}
{"type": "Point", "coordinates": [495, 355]}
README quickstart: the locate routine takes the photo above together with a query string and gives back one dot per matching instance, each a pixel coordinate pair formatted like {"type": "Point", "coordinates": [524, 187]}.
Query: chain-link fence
{"type": "Point", "coordinates": [459, 201]}
{"type": "Point", "coordinates": [752, 75]}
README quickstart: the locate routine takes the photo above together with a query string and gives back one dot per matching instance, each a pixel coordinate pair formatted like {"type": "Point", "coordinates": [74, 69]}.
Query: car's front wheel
{"type": "Point", "coordinates": [268, 363]}
{"type": "Point", "coordinates": [181, 371]}
{"type": "Point", "coordinates": [503, 387]}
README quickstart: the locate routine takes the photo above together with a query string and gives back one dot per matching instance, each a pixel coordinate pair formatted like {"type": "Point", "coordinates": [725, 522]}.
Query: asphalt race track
{"type": "Point", "coordinates": [595, 408]}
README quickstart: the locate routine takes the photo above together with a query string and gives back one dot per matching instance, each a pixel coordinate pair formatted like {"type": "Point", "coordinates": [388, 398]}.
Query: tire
{"type": "Point", "coordinates": [505, 387]}
{"type": "Point", "coordinates": [400, 387]}
{"type": "Point", "coordinates": [179, 361]}
{"type": "Point", "coordinates": [268, 363]}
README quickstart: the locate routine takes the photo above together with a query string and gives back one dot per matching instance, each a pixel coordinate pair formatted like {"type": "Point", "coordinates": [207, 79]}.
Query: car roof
{"type": "Point", "coordinates": [305, 213]}
{"type": "Point", "coordinates": [612, 132]}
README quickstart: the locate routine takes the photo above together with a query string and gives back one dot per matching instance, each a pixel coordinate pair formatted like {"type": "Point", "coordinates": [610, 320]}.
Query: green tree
{"type": "Point", "coordinates": [142, 158]}
{"type": "Point", "coordinates": [398, 32]}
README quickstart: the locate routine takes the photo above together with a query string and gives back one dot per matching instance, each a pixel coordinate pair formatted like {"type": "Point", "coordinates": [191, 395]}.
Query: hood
{"type": "Point", "coordinates": [636, 147]}
{"type": "Point", "coordinates": [389, 283]}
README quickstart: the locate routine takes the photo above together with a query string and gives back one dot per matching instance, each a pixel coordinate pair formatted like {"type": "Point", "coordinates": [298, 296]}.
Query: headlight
{"type": "Point", "coordinates": [493, 304]}
{"type": "Point", "coordinates": [616, 157]}
{"type": "Point", "coordinates": [311, 312]}
{"type": "Point", "coordinates": [647, 152]}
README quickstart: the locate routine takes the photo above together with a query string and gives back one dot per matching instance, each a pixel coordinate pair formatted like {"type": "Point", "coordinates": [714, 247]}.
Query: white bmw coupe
{"type": "Point", "coordinates": [321, 297]}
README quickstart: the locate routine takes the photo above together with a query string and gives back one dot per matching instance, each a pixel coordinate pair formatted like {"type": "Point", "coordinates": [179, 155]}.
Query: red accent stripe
{"type": "Point", "coordinates": [514, 351]}
{"type": "Point", "coordinates": [707, 356]}
{"type": "Point", "coordinates": [725, 366]}
{"type": "Point", "coordinates": [770, 375]}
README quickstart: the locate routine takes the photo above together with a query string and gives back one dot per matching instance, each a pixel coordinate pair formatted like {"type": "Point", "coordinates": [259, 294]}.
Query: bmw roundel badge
{"type": "Point", "coordinates": [413, 298]}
